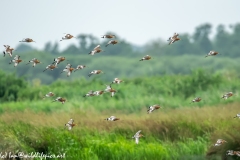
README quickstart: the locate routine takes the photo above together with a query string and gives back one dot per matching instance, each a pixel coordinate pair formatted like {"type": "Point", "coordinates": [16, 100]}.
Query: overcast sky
{"type": "Point", "coordinates": [136, 21]}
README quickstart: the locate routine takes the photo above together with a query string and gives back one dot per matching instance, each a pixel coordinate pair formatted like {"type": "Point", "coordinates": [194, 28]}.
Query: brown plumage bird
{"type": "Point", "coordinates": [113, 42]}
{"type": "Point", "coordinates": [197, 99]}
{"type": "Point", "coordinates": [211, 53]}
{"type": "Point", "coordinates": [59, 60]}
{"type": "Point", "coordinates": [67, 37]}
{"type": "Point", "coordinates": [95, 72]}
{"type": "Point", "coordinates": [117, 81]}
{"type": "Point", "coordinates": [153, 108]}
{"type": "Point", "coordinates": [16, 60]}
{"type": "Point", "coordinates": [28, 40]}
{"type": "Point", "coordinates": [174, 38]}
{"type": "Point", "coordinates": [35, 61]}
{"type": "Point", "coordinates": [112, 118]}
{"type": "Point", "coordinates": [147, 57]}
{"type": "Point", "coordinates": [79, 67]}
{"type": "Point", "coordinates": [8, 50]}
{"type": "Point", "coordinates": [60, 99]}
{"type": "Point", "coordinates": [51, 67]}
{"type": "Point", "coordinates": [97, 49]}
{"type": "Point", "coordinates": [70, 124]}
{"type": "Point", "coordinates": [108, 36]}
{"type": "Point", "coordinates": [68, 69]}
{"type": "Point", "coordinates": [111, 90]}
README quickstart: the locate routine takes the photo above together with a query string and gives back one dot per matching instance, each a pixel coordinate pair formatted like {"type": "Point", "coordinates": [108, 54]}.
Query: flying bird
{"type": "Point", "coordinates": [110, 89]}
{"type": "Point", "coordinates": [8, 50]}
{"type": "Point", "coordinates": [60, 99]}
{"type": "Point", "coordinates": [137, 136]}
{"type": "Point", "coordinates": [211, 53]}
{"type": "Point", "coordinates": [108, 36]}
{"type": "Point", "coordinates": [50, 94]}
{"type": "Point", "coordinates": [220, 142]}
{"type": "Point", "coordinates": [113, 42]}
{"type": "Point", "coordinates": [237, 116]}
{"type": "Point", "coordinates": [28, 40]}
{"type": "Point", "coordinates": [112, 118]}
{"type": "Point", "coordinates": [67, 36]}
{"type": "Point", "coordinates": [227, 95]}
{"type": "Point", "coordinates": [79, 67]}
{"type": "Point", "coordinates": [16, 60]}
{"type": "Point", "coordinates": [89, 94]}
{"type": "Point", "coordinates": [147, 57]}
{"type": "Point", "coordinates": [97, 49]}
{"type": "Point", "coordinates": [35, 61]}
{"type": "Point", "coordinates": [70, 124]}
{"type": "Point", "coordinates": [197, 99]}
{"type": "Point", "coordinates": [68, 69]}
{"type": "Point", "coordinates": [98, 93]}
{"type": "Point", "coordinates": [232, 153]}
{"type": "Point", "coordinates": [117, 81]}
{"type": "Point", "coordinates": [173, 39]}
{"type": "Point", "coordinates": [51, 67]}
{"type": "Point", "coordinates": [58, 60]}
{"type": "Point", "coordinates": [153, 108]}
{"type": "Point", "coordinates": [95, 72]}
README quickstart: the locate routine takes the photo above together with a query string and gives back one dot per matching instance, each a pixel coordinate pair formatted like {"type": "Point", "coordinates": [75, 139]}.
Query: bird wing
{"type": "Point", "coordinates": [137, 140]}
{"type": "Point", "coordinates": [137, 134]}
{"type": "Point", "coordinates": [69, 126]}
{"type": "Point", "coordinates": [97, 47]}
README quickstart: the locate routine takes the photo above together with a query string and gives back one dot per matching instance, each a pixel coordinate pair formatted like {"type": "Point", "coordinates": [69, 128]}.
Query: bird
{"type": "Point", "coordinates": [58, 60]}
{"type": "Point", "coordinates": [28, 40]}
{"type": "Point", "coordinates": [49, 94]}
{"type": "Point", "coordinates": [117, 81]}
{"type": "Point", "coordinates": [97, 49]}
{"type": "Point", "coordinates": [152, 108]}
{"type": "Point", "coordinates": [197, 99]}
{"type": "Point", "coordinates": [16, 60]}
{"type": "Point", "coordinates": [98, 93]}
{"type": "Point", "coordinates": [173, 39]}
{"type": "Point", "coordinates": [95, 72]}
{"type": "Point", "coordinates": [8, 50]}
{"type": "Point", "coordinates": [211, 53]}
{"type": "Point", "coordinates": [70, 124]}
{"type": "Point", "coordinates": [227, 95]}
{"type": "Point", "coordinates": [108, 36]}
{"type": "Point", "coordinates": [232, 153]}
{"type": "Point", "coordinates": [112, 118]}
{"type": "Point", "coordinates": [220, 142]}
{"type": "Point", "coordinates": [238, 115]}
{"type": "Point", "coordinates": [89, 94]}
{"type": "Point", "coordinates": [34, 61]}
{"type": "Point", "coordinates": [60, 99]}
{"type": "Point", "coordinates": [113, 42]}
{"type": "Point", "coordinates": [137, 136]}
{"type": "Point", "coordinates": [68, 69]}
{"type": "Point", "coordinates": [51, 67]}
{"type": "Point", "coordinates": [110, 89]}
{"type": "Point", "coordinates": [67, 36]}
{"type": "Point", "coordinates": [147, 57]}
{"type": "Point", "coordinates": [79, 67]}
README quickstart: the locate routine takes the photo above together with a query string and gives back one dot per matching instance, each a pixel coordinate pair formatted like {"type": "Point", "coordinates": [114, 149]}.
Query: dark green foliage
{"type": "Point", "coordinates": [10, 86]}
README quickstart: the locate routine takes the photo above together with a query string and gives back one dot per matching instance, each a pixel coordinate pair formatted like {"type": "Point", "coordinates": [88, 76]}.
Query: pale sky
{"type": "Point", "coordinates": [136, 21]}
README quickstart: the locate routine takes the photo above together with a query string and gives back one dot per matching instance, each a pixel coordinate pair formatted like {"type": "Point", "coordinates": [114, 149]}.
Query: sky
{"type": "Point", "coordinates": [136, 21]}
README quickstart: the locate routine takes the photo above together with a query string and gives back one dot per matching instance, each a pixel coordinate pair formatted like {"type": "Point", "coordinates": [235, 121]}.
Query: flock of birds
{"type": "Point", "coordinates": [69, 69]}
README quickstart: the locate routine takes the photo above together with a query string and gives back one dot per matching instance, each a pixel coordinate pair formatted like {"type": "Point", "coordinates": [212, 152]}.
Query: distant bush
{"type": "Point", "coordinates": [10, 86]}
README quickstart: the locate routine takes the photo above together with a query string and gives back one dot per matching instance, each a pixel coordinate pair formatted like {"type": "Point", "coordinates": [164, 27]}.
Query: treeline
{"type": "Point", "coordinates": [226, 41]}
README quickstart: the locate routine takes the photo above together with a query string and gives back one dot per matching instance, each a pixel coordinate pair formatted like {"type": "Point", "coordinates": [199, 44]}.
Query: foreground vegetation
{"type": "Point", "coordinates": [179, 130]}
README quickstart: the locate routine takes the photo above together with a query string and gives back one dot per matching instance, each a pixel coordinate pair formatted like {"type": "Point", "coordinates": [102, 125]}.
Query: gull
{"type": "Point", "coordinates": [117, 81]}
{"type": "Point", "coordinates": [70, 124]}
{"type": "Point", "coordinates": [16, 60]}
{"type": "Point", "coordinates": [28, 40]}
{"type": "Point", "coordinates": [152, 108]}
{"type": "Point", "coordinates": [67, 36]}
{"type": "Point", "coordinates": [220, 142]}
{"type": "Point", "coordinates": [108, 36]}
{"type": "Point", "coordinates": [68, 69]}
{"type": "Point", "coordinates": [60, 99]}
{"type": "Point", "coordinates": [79, 67]}
{"type": "Point", "coordinates": [94, 72]}
{"type": "Point", "coordinates": [173, 39]}
{"type": "Point", "coordinates": [112, 118]}
{"type": "Point", "coordinates": [227, 95]}
{"type": "Point", "coordinates": [113, 42]}
{"type": "Point", "coordinates": [211, 53]}
{"type": "Point", "coordinates": [137, 136]}
{"type": "Point", "coordinates": [35, 61]}
{"type": "Point", "coordinates": [8, 50]}
{"type": "Point", "coordinates": [147, 57]}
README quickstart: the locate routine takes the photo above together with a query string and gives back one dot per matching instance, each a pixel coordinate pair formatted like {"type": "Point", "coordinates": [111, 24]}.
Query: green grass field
{"type": "Point", "coordinates": [179, 130]}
